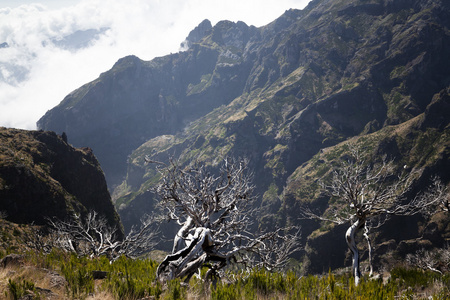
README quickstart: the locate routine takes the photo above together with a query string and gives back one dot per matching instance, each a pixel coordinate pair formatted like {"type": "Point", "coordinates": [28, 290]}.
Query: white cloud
{"type": "Point", "coordinates": [37, 71]}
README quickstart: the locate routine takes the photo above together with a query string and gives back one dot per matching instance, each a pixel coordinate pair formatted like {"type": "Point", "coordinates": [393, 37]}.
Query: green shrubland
{"type": "Point", "coordinates": [136, 279]}
{"type": "Point", "coordinates": [19, 288]}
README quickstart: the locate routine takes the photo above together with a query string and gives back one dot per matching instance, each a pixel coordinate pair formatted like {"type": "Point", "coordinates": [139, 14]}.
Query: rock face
{"type": "Point", "coordinates": [43, 176]}
{"type": "Point", "coordinates": [337, 71]}
{"type": "Point", "coordinates": [197, 34]}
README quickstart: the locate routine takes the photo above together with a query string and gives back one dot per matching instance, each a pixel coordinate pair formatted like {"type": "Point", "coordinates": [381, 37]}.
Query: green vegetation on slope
{"type": "Point", "coordinates": [135, 279]}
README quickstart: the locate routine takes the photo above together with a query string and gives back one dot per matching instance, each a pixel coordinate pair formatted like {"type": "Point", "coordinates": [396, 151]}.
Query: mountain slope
{"type": "Point", "coordinates": [322, 81]}
{"type": "Point", "coordinates": [419, 145]}
{"type": "Point", "coordinates": [43, 176]}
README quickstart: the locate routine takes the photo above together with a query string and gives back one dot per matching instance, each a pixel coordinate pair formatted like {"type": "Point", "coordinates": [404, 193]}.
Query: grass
{"type": "Point", "coordinates": [136, 279]}
{"type": "Point", "coordinates": [264, 285]}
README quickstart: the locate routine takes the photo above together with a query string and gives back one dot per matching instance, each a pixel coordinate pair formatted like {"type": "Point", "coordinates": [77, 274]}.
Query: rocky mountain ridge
{"type": "Point", "coordinates": [42, 176]}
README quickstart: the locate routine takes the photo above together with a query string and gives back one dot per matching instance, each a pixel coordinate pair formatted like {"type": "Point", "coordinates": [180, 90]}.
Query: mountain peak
{"type": "Point", "coordinates": [196, 34]}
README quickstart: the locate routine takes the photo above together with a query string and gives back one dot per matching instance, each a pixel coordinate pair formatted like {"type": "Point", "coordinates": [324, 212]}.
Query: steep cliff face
{"type": "Point", "coordinates": [43, 176]}
{"type": "Point", "coordinates": [336, 71]}
{"type": "Point", "coordinates": [138, 100]}
{"type": "Point", "coordinates": [197, 34]}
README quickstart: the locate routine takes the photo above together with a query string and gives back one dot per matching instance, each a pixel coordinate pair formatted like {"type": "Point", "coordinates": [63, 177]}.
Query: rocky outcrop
{"type": "Point", "coordinates": [11, 260]}
{"type": "Point", "coordinates": [42, 176]}
{"type": "Point", "coordinates": [196, 34]}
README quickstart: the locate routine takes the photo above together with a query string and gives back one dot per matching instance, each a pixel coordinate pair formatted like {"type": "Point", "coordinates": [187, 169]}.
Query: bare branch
{"type": "Point", "coordinates": [94, 237]}
{"type": "Point", "coordinates": [429, 260]}
{"type": "Point", "coordinates": [435, 198]}
{"type": "Point", "coordinates": [37, 238]}
{"type": "Point", "coordinates": [139, 241]}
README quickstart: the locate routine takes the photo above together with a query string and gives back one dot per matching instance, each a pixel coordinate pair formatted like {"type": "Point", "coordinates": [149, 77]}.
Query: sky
{"type": "Point", "coordinates": [48, 48]}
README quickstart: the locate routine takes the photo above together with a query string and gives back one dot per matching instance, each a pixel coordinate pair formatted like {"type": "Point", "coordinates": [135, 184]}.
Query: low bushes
{"type": "Point", "coordinates": [136, 279]}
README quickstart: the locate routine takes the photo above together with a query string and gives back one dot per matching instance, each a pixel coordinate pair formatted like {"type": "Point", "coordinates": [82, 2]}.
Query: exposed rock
{"type": "Point", "coordinates": [138, 100]}
{"type": "Point", "coordinates": [42, 176]}
{"type": "Point", "coordinates": [437, 112]}
{"type": "Point", "coordinates": [412, 246]}
{"type": "Point", "coordinates": [79, 39]}
{"type": "Point", "coordinates": [385, 247]}
{"type": "Point", "coordinates": [99, 274]}
{"type": "Point", "coordinates": [196, 34]}
{"type": "Point", "coordinates": [433, 234]}
{"type": "Point", "coordinates": [326, 250]}
{"type": "Point", "coordinates": [11, 260]}
{"type": "Point", "coordinates": [56, 281]}
{"type": "Point", "coordinates": [46, 293]}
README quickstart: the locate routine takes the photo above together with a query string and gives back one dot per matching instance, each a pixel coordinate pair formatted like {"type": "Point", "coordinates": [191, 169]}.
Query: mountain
{"type": "Point", "coordinates": [138, 100]}
{"type": "Point", "coordinates": [282, 95]}
{"type": "Point", "coordinates": [41, 176]}
{"type": "Point", "coordinates": [79, 39]}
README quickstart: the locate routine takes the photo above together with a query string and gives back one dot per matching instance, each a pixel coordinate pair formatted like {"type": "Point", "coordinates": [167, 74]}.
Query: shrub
{"type": "Point", "coordinates": [136, 279]}
{"type": "Point", "coordinates": [78, 274]}
{"type": "Point", "coordinates": [411, 277]}
{"type": "Point", "coordinates": [175, 290]}
{"type": "Point", "coordinates": [225, 292]}
{"type": "Point", "coordinates": [132, 279]}
{"type": "Point", "coordinates": [21, 288]}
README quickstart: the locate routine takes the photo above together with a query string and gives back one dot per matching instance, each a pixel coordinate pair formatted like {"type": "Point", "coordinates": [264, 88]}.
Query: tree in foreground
{"type": "Point", "coordinates": [366, 195]}
{"type": "Point", "coordinates": [215, 216]}
{"type": "Point", "coordinates": [93, 236]}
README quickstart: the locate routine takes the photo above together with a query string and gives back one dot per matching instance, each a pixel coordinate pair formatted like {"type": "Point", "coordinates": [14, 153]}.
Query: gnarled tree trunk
{"type": "Point", "coordinates": [369, 248]}
{"type": "Point", "coordinates": [350, 238]}
{"type": "Point", "coordinates": [186, 261]}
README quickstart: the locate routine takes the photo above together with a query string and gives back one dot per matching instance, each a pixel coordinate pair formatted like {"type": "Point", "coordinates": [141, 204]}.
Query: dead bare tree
{"type": "Point", "coordinates": [39, 239]}
{"type": "Point", "coordinates": [435, 198]}
{"type": "Point", "coordinates": [215, 214]}
{"type": "Point", "coordinates": [140, 240]}
{"type": "Point", "coordinates": [437, 260]}
{"type": "Point", "coordinates": [366, 195]}
{"type": "Point", "coordinates": [94, 237]}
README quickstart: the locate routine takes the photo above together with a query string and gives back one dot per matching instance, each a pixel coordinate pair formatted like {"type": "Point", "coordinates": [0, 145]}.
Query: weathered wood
{"type": "Point", "coordinates": [217, 213]}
